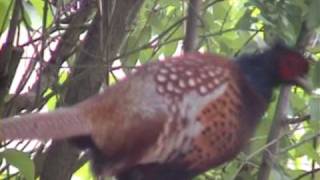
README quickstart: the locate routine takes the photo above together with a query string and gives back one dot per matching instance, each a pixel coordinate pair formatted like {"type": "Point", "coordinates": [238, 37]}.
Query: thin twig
{"type": "Point", "coordinates": [248, 41]}
{"type": "Point", "coordinates": [211, 4]}
{"type": "Point", "coordinates": [43, 43]}
{"type": "Point", "coordinates": [307, 173]}
{"type": "Point", "coordinates": [285, 150]}
{"type": "Point", "coordinates": [225, 18]}
{"type": "Point", "coordinates": [296, 120]}
{"type": "Point", "coordinates": [258, 151]}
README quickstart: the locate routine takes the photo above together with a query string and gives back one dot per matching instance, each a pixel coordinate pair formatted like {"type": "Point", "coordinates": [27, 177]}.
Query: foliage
{"type": "Point", "coordinates": [21, 161]}
{"type": "Point", "coordinates": [228, 27]}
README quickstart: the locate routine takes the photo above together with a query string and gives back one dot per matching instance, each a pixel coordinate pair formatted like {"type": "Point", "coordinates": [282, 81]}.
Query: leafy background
{"type": "Point", "coordinates": [57, 42]}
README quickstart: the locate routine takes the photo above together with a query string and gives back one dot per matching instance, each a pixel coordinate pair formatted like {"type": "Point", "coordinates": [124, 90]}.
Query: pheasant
{"type": "Point", "coordinates": [171, 119]}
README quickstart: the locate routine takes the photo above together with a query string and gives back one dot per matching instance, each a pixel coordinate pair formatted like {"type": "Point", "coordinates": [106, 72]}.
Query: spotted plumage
{"type": "Point", "coordinates": [171, 119]}
{"type": "Point", "coordinates": [196, 138]}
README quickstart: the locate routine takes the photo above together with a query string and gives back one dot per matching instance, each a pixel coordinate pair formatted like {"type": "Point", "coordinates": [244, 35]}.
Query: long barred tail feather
{"type": "Point", "coordinates": [62, 123]}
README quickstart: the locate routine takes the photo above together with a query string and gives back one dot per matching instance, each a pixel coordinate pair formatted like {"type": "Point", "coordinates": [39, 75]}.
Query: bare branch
{"type": "Point", "coordinates": [268, 158]}
{"type": "Point", "coordinates": [9, 55]}
{"type": "Point", "coordinates": [296, 120]}
{"type": "Point", "coordinates": [62, 158]}
{"type": "Point", "coordinates": [193, 19]}
{"type": "Point", "coordinates": [307, 173]}
{"type": "Point", "coordinates": [283, 104]}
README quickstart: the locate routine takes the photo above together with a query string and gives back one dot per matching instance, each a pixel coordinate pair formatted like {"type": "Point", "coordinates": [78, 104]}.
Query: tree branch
{"type": "Point", "coordinates": [280, 115]}
{"type": "Point", "coordinates": [193, 19]}
{"type": "Point", "coordinates": [296, 120]}
{"type": "Point", "coordinates": [268, 154]}
{"type": "Point", "coordinates": [62, 158]}
{"type": "Point", "coordinates": [307, 173]}
{"type": "Point", "coordinates": [9, 55]}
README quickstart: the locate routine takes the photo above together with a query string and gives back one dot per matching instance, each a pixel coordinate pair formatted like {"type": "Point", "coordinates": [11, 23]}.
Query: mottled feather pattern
{"type": "Point", "coordinates": [177, 77]}
{"type": "Point", "coordinates": [196, 81]}
{"type": "Point", "coordinates": [221, 137]}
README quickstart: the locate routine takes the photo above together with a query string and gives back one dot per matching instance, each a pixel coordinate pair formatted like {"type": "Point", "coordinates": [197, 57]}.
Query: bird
{"type": "Point", "coordinates": [170, 119]}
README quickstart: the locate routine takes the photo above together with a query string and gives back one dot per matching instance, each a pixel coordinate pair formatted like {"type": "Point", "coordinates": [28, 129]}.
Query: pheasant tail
{"type": "Point", "coordinates": [63, 123]}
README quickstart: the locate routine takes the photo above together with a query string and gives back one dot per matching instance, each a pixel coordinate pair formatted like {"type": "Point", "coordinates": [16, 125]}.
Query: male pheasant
{"type": "Point", "coordinates": [170, 119]}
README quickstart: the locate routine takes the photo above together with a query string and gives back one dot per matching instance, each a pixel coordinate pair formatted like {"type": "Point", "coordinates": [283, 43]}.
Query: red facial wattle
{"type": "Point", "coordinates": [292, 67]}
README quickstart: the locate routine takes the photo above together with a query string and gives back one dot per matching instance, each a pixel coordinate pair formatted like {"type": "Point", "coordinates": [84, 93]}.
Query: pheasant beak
{"type": "Point", "coordinates": [305, 84]}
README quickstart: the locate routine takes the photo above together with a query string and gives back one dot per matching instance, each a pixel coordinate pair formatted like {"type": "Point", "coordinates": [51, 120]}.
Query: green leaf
{"type": "Point", "coordinates": [170, 10]}
{"type": "Point", "coordinates": [298, 102]}
{"type": "Point", "coordinates": [165, 3]}
{"type": "Point", "coordinates": [313, 16]}
{"type": "Point", "coordinates": [315, 108]}
{"type": "Point", "coordinates": [52, 102]}
{"type": "Point", "coordinates": [63, 76]}
{"type": "Point", "coordinates": [305, 149]}
{"type": "Point", "coordinates": [210, 23]}
{"type": "Point", "coordinates": [156, 23]}
{"type": "Point", "coordinates": [245, 21]}
{"type": "Point", "coordinates": [145, 55]}
{"type": "Point", "coordinates": [21, 161]}
{"type": "Point", "coordinates": [294, 173]}
{"type": "Point", "coordinates": [84, 173]}
{"type": "Point", "coordinates": [38, 5]}
{"type": "Point", "coordinates": [4, 8]}
{"type": "Point", "coordinates": [132, 59]}
{"type": "Point", "coordinates": [145, 35]}
{"type": "Point", "coordinates": [31, 16]}
{"type": "Point", "coordinates": [169, 49]}
{"type": "Point", "coordinates": [316, 74]}
{"type": "Point", "coordinates": [220, 10]}
{"type": "Point", "coordinates": [278, 174]}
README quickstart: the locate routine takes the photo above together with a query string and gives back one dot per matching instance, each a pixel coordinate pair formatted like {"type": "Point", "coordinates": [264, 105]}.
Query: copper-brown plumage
{"type": "Point", "coordinates": [171, 119]}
